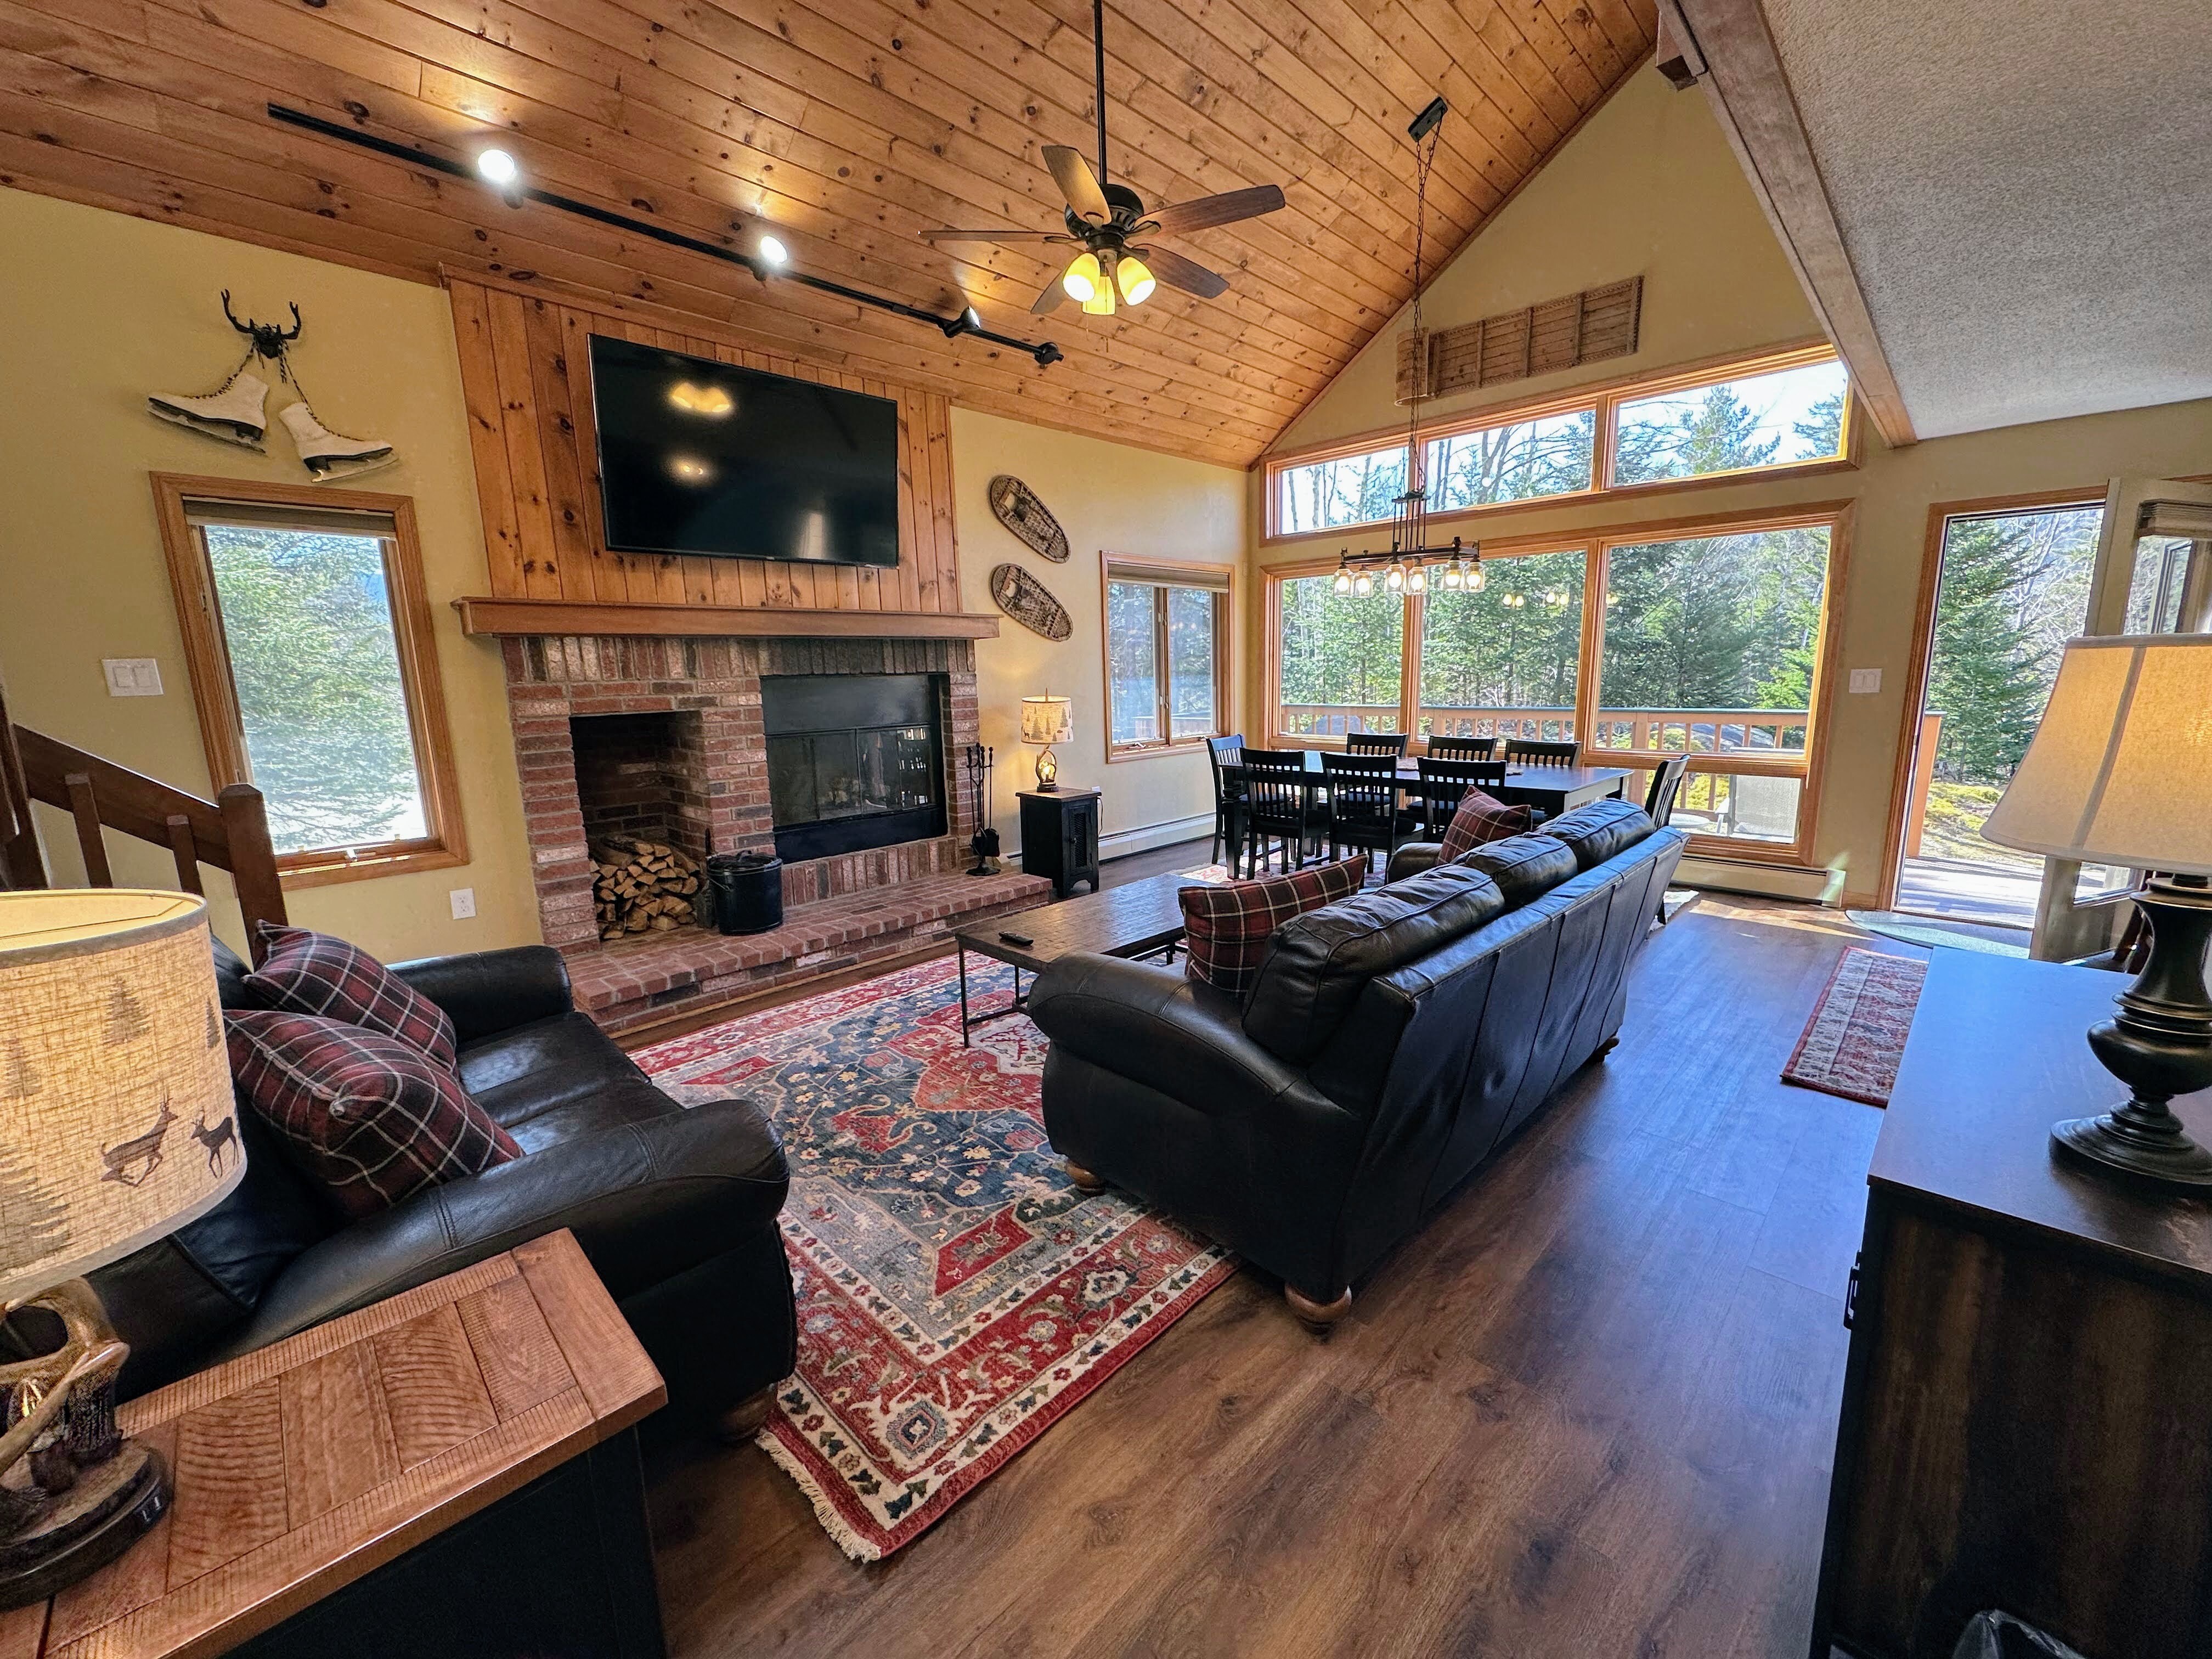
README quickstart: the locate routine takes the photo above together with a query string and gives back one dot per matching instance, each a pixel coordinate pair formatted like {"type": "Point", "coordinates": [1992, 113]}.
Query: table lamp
{"type": "Point", "coordinates": [1045, 721]}
{"type": "Point", "coordinates": [116, 1129]}
{"type": "Point", "coordinates": [2120, 772]}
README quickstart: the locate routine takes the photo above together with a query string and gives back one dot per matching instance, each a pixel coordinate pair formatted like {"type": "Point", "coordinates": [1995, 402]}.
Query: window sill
{"type": "Point", "coordinates": [297, 870]}
{"type": "Point", "coordinates": [1130, 751]}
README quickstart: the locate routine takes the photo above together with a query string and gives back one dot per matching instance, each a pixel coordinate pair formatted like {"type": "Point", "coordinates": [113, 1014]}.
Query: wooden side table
{"type": "Point", "coordinates": [453, 1471]}
{"type": "Point", "coordinates": [1060, 837]}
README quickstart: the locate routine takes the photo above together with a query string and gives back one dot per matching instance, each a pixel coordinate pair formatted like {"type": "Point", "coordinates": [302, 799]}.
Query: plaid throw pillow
{"type": "Point", "coordinates": [1226, 928]}
{"type": "Point", "coordinates": [1481, 819]}
{"type": "Point", "coordinates": [364, 1117]}
{"type": "Point", "coordinates": [310, 973]}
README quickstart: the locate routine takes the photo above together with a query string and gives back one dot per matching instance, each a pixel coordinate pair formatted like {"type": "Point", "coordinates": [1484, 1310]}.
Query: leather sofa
{"type": "Point", "coordinates": [1393, 1043]}
{"type": "Point", "coordinates": [676, 1208]}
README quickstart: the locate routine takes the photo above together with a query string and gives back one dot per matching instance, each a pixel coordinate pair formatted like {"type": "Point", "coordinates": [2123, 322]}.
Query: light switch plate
{"type": "Point", "coordinates": [1866, 679]}
{"type": "Point", "coordinates": [465, 903]}
{"type": "Point", "coordinates": [133, 677]}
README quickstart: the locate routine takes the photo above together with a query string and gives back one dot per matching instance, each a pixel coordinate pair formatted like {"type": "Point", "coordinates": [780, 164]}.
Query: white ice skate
{"type": "Point", "coordinates": [332, 456]}
{"type": "Point", "coordinates": [233, 415]}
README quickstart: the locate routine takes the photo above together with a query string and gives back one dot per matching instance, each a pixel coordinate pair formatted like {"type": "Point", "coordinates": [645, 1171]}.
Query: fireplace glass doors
{"type": "Point", "coordinates": [854, 761]}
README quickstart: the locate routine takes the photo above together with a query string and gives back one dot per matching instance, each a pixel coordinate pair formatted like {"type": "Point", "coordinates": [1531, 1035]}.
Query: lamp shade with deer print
{"type": "Point", "coordinates": [116, 1129]}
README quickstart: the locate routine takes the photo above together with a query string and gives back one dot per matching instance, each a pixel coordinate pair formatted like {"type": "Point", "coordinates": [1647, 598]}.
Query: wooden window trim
{"type": "Point", "coordinates": [214, 694]}
{"type": "Point", "coordinates": [1221, 582]}
{"type": "Point", "coordinates": [1604, 399]}
{"type": "Point", "coordinates": [1597, 545]}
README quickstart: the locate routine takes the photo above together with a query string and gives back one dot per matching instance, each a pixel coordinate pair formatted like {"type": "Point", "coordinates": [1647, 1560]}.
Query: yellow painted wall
{"type": "Point", "coordinates": [1107, 497]}
{"type": "Point", "coordinates": [1649, 184]}
{"type": "Point", "coordinates": [99, 310]}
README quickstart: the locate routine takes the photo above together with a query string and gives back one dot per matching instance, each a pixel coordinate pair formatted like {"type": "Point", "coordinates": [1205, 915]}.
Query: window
{"type": "Point", "coordinates": [1517, 461]}
{"type": "Point", "coordinates": [1505, 662]}
{"type": "Point", "coordinates": [307, 637]}
{"type": "Point", "coordinates": [1329, 494]}
{"type": "Point", "coordinates": [1785, 409]}
{"type": "Point", "coordinates": [1788, 417]}
{"type": "Point", "coordinates": [1167, 654]}
{"type": "Point", "coordinates": [1711, 641]}
{"type": "Point", "coordinates": [1342, 660]}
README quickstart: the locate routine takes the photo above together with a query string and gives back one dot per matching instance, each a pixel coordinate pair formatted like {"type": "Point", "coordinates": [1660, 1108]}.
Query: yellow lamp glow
{"type": "Point", "coordinates": [1084, 277]}
{"type": "Point", "coordinates": [1135, 278]}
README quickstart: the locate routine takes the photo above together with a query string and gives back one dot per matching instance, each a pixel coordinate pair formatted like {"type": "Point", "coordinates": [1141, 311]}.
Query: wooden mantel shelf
{"type": "Point", "coordinates": [484, 614]}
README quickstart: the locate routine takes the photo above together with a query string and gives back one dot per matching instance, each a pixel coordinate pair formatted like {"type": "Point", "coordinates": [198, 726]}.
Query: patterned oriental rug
{"type": "Point", "coordinates": [957, 1295]}
{"type": "Point", "coordinates": [1855, 1038]}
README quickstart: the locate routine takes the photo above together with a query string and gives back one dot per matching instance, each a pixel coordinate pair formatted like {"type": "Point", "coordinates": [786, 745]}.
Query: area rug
{"type": "Point", "coordinates": [1919, 930]}
{"type": "Point", "coordinates": [957, 1295]}
{"type": "Point", "coordinates": [1855, 1038]}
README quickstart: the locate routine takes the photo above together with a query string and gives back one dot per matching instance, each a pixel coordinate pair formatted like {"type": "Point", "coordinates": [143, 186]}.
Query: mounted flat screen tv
{"type": "Point", "coordinates": [701, 457]}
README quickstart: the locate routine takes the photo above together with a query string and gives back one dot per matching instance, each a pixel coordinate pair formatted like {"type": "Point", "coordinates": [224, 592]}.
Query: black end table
{"type": "Point", "coordinates": [1060, 837]}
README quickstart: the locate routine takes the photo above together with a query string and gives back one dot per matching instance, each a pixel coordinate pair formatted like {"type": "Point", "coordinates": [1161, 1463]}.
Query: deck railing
{"type": "Point", "coordinates": [1765, 734]}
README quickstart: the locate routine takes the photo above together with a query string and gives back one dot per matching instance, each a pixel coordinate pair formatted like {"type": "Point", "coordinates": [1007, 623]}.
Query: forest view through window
{"type": "Point", "coordinates": [1167, 657]}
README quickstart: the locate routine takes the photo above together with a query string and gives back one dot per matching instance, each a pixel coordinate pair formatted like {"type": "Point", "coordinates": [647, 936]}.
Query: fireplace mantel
{"type": "Point", "coordinates": [485, 614]}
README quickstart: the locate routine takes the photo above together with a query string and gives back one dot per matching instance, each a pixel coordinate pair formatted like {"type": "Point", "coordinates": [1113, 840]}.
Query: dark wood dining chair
{"type": "Point", "coordinates": [1392, 743]}
{"type": "Point", "coordinates": [1463, 749]}
{"type": "Point", "coordinates": [1531, 752]}
{"type": "Point", "coordinates": [1666, 784]}
{"type": "Point", "coordinates": [1362, 810]}
{"type": "Point", "coordinates": [1228, 796]}
{"type": "Point", "coordinates": [1444, 781]}
{"type": "Point", "coordinates": [1278, 806]}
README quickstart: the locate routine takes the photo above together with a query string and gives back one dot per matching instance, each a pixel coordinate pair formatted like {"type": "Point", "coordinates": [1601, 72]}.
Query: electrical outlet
{"type": "Point", "coordinates": [1866, 679]}
{"type": "Point", "coordinates": [465, 903]}
{"type": "Point", "coordinates": [133, 677]}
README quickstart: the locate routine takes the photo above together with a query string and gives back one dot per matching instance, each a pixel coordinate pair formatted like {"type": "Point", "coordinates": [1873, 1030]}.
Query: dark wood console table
{"type": "Point", "coordinates": [2027, 1409]}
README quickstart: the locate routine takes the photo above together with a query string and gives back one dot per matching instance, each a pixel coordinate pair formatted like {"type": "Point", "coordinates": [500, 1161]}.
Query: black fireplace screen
{"type": "Point", "coordinates": [854, 761]}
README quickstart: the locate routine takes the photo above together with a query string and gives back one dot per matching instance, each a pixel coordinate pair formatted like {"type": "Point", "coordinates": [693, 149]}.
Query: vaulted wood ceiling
{"type": "Point", "coordinates": [847, 126]}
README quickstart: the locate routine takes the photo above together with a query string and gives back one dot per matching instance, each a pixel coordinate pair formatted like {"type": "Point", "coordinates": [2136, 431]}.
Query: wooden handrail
{"type": "Point", "coordinates": [230, 832]}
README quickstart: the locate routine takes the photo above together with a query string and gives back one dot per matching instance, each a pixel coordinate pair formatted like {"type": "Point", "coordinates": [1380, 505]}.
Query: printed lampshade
{"type": "Point", "coordinates": [2120, 771]}
{"type": "Point", "coordinates": [116, 1117]}
{"type": "Point", "coordinates": [1047, 720]}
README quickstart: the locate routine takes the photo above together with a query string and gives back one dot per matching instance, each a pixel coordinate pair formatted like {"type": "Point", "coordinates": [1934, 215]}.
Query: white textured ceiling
{"type": "Point", "coordinates": [2025, 187]}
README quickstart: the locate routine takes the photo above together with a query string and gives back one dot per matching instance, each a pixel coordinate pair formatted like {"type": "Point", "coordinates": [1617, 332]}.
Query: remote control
{"type": "Point", "coordinates": [1018, 939]}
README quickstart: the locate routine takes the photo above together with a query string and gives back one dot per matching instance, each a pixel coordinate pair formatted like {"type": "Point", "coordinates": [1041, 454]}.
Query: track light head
{"type": "Point", "coordinates": [968, 322]}
{"type": "Point", "coordinates": [775, 252]}
{"type": "Point", "coordinates": [496, 166]}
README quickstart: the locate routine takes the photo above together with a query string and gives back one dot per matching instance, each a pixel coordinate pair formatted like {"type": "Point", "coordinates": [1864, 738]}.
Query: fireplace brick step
{"type": "Point", "coordinates": [634, 982]}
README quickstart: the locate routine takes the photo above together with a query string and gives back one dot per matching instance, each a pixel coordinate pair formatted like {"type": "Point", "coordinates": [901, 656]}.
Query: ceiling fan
{"type": "Point", "coordinates": [1109, 221]}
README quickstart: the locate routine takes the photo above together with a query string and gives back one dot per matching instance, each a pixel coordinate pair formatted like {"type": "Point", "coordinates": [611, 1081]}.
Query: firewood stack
{"type": "Point", "coordinates": [641, 886]}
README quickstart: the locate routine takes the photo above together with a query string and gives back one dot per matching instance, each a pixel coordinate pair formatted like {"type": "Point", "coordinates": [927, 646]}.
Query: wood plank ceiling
{"type": "Point", "coordinates": [847, 126]}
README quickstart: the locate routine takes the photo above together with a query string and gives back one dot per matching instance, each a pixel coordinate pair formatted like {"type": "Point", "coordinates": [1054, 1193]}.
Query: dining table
{"type": "Point", "coordinates": [1551, 789]}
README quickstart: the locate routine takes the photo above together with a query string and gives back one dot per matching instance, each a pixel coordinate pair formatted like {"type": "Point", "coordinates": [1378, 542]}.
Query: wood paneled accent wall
{"type": "Point", "coordinates": [525, 374]}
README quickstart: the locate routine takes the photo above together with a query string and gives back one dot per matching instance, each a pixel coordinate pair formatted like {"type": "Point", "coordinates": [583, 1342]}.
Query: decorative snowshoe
{"type": "Point", "coordinates": [233, 414]}
{"type": "Point", "coordinates": [331, 456]}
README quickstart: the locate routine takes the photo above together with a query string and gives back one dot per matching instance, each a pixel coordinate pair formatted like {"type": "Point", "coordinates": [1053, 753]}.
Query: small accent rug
{"type": "Point", "coordinates": [1919, 930]}
{"type": "Point", "coordinates": [957, 1295]}
{"type": "Point", "coordinates": [1855, 1038]}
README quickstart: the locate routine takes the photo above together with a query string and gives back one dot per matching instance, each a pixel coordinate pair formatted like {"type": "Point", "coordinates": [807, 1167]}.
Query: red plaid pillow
{"type": "Point", "coordinates": [1481, 819]}
{"type": "Point", "coordinates": [311, 973]}
{"type": "Point", "coordinates": [1226, 928]}
{"type": "Point", "coordinates": [370, 1119]}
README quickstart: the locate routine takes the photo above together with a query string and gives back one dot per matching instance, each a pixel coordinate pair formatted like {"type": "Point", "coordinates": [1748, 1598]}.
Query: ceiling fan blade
{"type": "Point", "coordinates": [1049, 300]}
{"type": "Point", "coordinates": [1078, 183]}
{"type": "Point", "coordinates": [995, 236]}
{"type": "Point", "coordinates": [1222, 209]}
{"type": "Point", "coordinates": [1187, 275]}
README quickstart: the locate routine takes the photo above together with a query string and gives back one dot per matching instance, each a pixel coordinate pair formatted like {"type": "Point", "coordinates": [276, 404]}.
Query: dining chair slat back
{"type": "Point", "coordinates": [1276, 804]}
{"type": "Point", "coordinates": [1444, 781]}
{"type": "Point", "coordinates": [1392, 743]}
{"type": "Point", "coordinates": [1463, 749]}
{"type": "Point", "coordinates": [1531, 752]}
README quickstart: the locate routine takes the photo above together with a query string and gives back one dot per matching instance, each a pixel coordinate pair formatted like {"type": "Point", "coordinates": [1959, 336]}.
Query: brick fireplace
{"type": "Point", "coordinates": [663, 737]}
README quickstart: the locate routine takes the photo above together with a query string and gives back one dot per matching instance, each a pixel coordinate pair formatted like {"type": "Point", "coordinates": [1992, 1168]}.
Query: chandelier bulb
{"type": "Point", "coordinates": [1342, 581]}
{"type": "Point", "coordinates": [1417, 579]}
{"type": "Point", "coordinates": [1362, 585]}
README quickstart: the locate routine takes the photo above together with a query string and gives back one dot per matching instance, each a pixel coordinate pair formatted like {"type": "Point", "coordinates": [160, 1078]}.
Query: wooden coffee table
{"type": "Point", "coordinates": [1139, 919]}
{"type": "Point", "coordinates": [452, 1471]}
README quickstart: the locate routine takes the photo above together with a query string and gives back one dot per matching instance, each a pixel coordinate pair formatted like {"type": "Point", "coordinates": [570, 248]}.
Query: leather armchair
{"type": "Point", "coordinates": [676, 1209]}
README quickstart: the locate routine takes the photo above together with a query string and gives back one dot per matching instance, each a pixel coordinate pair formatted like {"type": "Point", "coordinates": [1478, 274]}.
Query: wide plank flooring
{"type": "Point", "coordinates": [1589, 1411]}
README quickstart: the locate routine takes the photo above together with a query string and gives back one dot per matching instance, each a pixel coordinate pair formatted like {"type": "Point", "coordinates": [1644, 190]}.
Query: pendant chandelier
{"type": "Point", "coordinates": [1409, 564]}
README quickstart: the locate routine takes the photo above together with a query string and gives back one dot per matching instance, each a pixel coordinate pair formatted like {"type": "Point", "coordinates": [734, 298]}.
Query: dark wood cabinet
{"type": "Point", "coordinates": [2027, 1417]}
{"type": "Point", "coordinates": [1060, 837]}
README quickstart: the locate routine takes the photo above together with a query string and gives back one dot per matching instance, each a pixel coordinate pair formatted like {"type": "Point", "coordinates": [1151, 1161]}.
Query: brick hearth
{"type": "Point", "coordinates": [687, 762]}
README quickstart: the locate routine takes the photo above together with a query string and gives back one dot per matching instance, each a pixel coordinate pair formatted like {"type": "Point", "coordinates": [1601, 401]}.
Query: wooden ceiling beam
{"type": "Point", "coordinates": [1750, 92]}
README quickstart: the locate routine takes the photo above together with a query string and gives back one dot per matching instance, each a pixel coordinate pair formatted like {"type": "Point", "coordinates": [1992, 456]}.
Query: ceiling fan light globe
{"type": "Point", "coordinates": [1084, 277]}
{"type": "Point", "coordinates": [1135, 278]}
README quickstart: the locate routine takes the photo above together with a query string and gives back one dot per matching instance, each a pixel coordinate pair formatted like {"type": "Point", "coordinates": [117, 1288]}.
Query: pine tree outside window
{"type": "Point", "coordinates": [308, 639]}
{"type": "Point", "coordinates": [1167, 654]}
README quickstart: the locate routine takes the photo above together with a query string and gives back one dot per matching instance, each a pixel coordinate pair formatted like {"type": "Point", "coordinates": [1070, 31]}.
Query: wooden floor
{"type": "Point", "coordinates": [1588, 1412]}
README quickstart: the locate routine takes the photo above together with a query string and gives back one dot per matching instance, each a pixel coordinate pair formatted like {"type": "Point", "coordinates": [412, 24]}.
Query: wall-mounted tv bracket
{"type": "Point", "coordinates": [1044, 351]}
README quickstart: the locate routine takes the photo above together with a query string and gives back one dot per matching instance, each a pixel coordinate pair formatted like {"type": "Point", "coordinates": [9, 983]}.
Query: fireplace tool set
{"type": "Point", "coordinates": [984, 843]}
